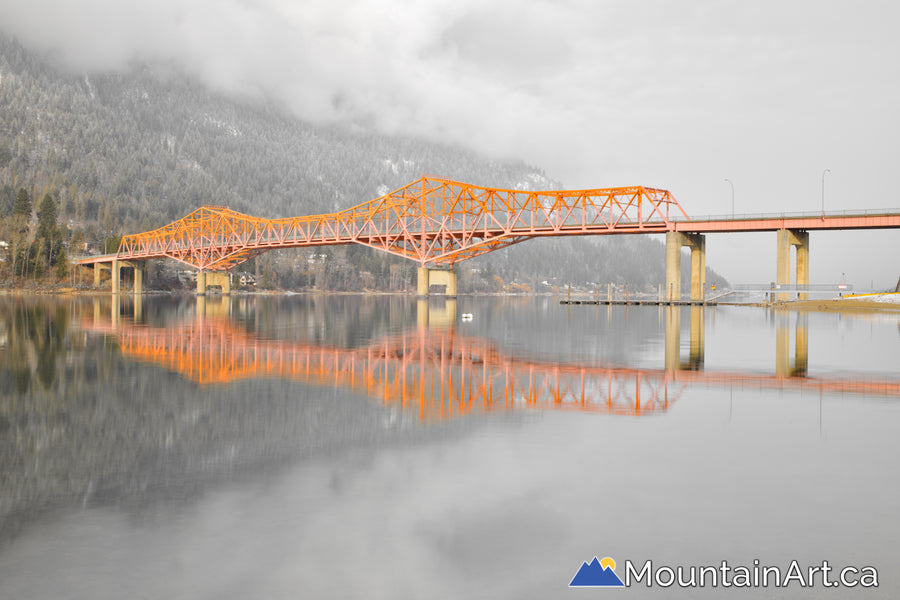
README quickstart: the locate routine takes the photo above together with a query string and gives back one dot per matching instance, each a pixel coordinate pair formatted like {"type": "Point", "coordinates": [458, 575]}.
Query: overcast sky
{"type": "Point", "coordinates": [678, 95]}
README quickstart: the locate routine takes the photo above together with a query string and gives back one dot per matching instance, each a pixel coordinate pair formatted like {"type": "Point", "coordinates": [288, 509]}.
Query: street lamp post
{"type": "Point", "coordinates": [732, 197]}
{"type": "Point", "coordinates": [823, 191]}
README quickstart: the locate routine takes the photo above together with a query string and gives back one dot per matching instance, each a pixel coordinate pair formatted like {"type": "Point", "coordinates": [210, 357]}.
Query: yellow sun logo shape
{"type": "Point", "coordinates": [608, 562]}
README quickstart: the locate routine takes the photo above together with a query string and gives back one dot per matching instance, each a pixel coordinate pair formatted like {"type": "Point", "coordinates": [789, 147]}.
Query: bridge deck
{"type": "Point", "coordinates": [808, 222]}
{"type": "Point", "coordinates": [94, 259]}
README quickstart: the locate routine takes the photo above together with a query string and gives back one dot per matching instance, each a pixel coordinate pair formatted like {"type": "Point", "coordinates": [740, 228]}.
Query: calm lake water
{"type": "Point", "coordinates": [380, 447]}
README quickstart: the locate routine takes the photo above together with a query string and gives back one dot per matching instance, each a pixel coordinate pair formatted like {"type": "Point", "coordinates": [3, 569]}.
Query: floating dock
{"type": "Point", "coordinates": [644, 302]}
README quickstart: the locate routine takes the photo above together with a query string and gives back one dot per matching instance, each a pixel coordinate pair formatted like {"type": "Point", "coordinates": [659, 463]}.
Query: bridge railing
{"type": "Point", "coordinates": [793, 287]}
{"type": "Point", "coordinates": [873, 212]}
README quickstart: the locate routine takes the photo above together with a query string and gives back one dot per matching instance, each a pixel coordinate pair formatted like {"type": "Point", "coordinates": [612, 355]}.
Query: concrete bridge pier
{"type": "Point", "coordinates": [115, 271]}
{"type": "Point", "coordinates": [786, 239]}
{"type": "Point", "coordinates": [221, 279]}
{"type": "Point", "coordinates": [98, 270]}
{"type": "Point", "coordinates": [675, 240]}
{"type": "Point", "coordinates": [138, 278]}
{"type": "Point", "coordinates": [116, 276]}
{"type": "Point", "coordinates": [428, 277]}
{"type": "Point", "coordinates": [210, 278]}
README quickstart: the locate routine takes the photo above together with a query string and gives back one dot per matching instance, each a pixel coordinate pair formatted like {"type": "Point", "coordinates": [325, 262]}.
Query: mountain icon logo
{"type": "Point", "coordinates": [597, 573]}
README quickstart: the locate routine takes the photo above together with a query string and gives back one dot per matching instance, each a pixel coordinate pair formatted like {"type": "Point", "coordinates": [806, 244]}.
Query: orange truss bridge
{"type": "Point", "coordinates": [438, 222]}
{"type": "Point", "coordinates": [432, 221]}
{"type": "Point", "coordinates": [437, 373]}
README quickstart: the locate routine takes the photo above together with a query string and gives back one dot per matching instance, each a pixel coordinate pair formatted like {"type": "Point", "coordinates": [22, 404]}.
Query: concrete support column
{"type": "Point", "coordinates": [785, 239]}
{"type": "Point", "coordinates": [98, 272]}
{"type": "Point", "coordinates": [803, 262]}
{"type": "Point", "coordinates": [115, 276]}
{"type": "Point", "coordinates": [138, 279]}
{"type": "Point", "coordinates": [201, 283]}
{"type": "Point", "coordinates": [673, 265]}
{"type": "Point", "coordinates": [697, 243]}
{"type": "Point", "coordinates": [698, 268]}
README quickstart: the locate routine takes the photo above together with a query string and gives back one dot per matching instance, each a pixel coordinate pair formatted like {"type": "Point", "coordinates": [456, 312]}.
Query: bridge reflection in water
{"type": "Point", "coordinates": [434, 372]}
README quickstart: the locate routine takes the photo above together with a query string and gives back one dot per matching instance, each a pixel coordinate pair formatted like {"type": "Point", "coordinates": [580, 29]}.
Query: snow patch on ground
{"type": "Point", "coordinates": [889, 297]}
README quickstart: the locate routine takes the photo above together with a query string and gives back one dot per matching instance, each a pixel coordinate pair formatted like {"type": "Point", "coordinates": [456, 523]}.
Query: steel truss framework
{"type": "Point", "coordinates": [433, 221]}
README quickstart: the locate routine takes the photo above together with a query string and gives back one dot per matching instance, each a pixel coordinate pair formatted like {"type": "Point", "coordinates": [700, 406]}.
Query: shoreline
{"type": "Point", "coordinates": [850, 304]}
{"type": "Point", "coordinates": [840, 304]}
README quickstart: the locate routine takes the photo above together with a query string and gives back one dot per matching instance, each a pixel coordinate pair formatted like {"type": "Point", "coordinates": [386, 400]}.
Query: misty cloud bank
{"type": "Point", "coordinates": [541, 78]}
{"type": "Point", "coordinates": [677, 95]}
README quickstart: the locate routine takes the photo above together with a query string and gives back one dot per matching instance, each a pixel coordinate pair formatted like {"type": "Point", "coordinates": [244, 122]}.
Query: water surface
{"type": "Point", "coordinates": [381, 447]}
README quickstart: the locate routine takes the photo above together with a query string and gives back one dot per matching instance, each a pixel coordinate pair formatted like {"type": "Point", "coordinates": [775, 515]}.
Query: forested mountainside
{"type": "Point", "coordinates": [128, 152]}
{"type": "Point", "coordinates": [151, 144]}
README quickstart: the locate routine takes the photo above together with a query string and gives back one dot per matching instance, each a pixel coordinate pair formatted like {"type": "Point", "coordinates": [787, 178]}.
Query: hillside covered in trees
{"type": "Point", "coordinates": [115, 153]}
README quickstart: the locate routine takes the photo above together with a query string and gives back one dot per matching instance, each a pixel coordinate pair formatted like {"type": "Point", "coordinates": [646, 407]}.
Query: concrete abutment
{"type": "Point", "coordinates": [786, 239]}
{"type": "Point", "coordinates": [428, 277]}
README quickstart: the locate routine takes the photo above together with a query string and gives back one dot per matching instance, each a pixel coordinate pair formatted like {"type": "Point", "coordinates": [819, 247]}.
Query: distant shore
{"type": "Point", "coordinates": [866, 302]}
{"type": "Point", "coordinates": [858, 303]}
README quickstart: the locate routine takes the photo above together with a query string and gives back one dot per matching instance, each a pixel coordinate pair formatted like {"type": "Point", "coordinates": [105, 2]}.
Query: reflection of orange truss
{"type": "Point", "coordinates": [438, 373]}
{"type": "Point", "coordinates": [434, 373]}
{"type": "Point", "coordinates": [431, 221]}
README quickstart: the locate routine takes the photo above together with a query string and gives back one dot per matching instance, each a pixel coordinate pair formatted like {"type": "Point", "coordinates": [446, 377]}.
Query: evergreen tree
{"type": "Point", "coordinates": [47, 217]}
{"type": "Point", "coordinates": [19, 242]}
{"type": "Point", "coordinates": [48, 238]}
{"type": "Point", "coordinates": [111, 244]}
{"type": "Point", "coordinates": [62, 264]}
{"type": "Point", "coordinates": [22, 205]}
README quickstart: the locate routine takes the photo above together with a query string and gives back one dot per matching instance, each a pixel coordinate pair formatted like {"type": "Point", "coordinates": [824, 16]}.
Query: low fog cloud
{"type": "Point", "coordinates": [584, 88]}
